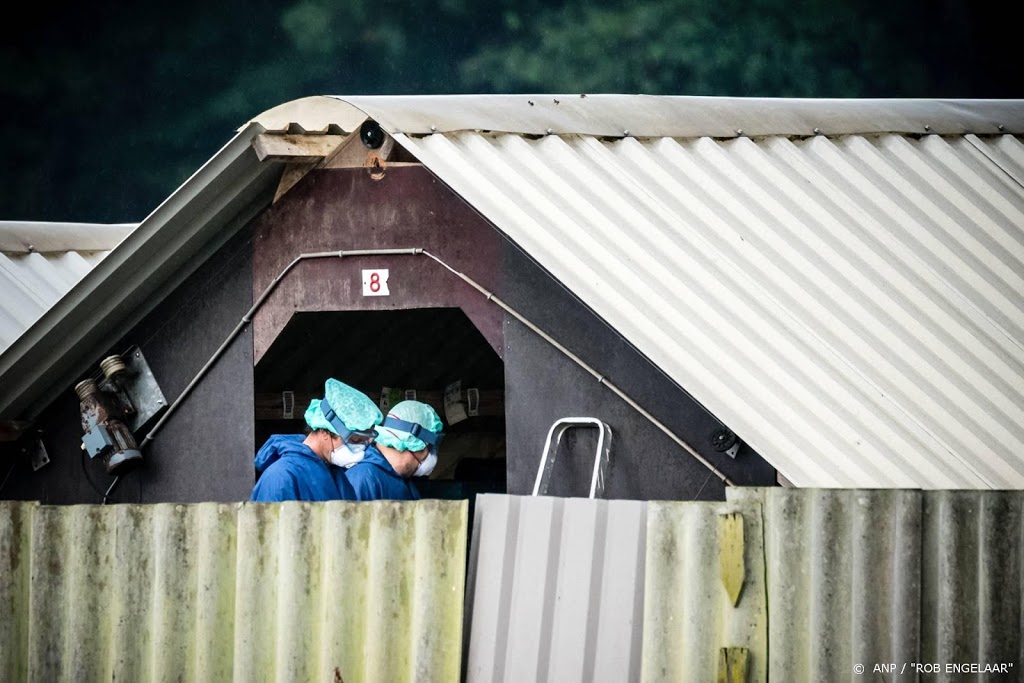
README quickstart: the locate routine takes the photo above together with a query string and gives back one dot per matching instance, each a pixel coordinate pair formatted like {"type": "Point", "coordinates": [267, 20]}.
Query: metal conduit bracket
{"type": "Point", "coordinates": [554, 438]}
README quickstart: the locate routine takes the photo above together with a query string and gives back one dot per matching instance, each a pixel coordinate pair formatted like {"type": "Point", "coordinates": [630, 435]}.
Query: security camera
{"type": "Point", "coordinates": [371, 134]}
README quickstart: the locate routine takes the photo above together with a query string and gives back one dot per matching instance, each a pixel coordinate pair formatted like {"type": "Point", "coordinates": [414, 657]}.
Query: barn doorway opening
{"type": "Point", "coordinates": [434, 355]}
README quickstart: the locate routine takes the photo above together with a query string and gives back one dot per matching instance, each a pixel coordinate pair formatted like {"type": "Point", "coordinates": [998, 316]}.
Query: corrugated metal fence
{"type": "Point", "coordinates": [290, 592]}
{"type": "Point", "coordinates": [773, 584]}
{"type": "Point", "coordinates": [893, 577]}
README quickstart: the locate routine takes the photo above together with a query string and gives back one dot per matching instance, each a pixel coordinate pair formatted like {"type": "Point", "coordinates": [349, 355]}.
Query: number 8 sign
{"type": "Point", "coordinates": [375, 282]}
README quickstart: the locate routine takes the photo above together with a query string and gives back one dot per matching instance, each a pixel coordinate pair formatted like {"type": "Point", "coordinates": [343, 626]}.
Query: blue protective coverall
{"type": "Point", "coordinates": [373, 478]}
{"type": "Point", "coordinates": [290, 470]}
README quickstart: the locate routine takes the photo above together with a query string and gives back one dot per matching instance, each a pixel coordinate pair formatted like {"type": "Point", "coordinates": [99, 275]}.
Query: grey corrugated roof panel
{"type": "Point", "coordinates": [556, 588]}
{"type": "Point", "coordinates": [160, 253]}
{"type": "Point", "coordinates": [277, 592]}
{"type": "Point", "coordinates": [648, 115]}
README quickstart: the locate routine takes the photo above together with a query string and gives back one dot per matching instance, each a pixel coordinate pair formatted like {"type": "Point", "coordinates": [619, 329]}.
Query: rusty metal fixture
{"type": "Point", "coordinates": [112, 365]}
{"type": "Point", "coordinates": [115, 370]}
{"type": "Point", "coordinates": [105, 433]}
{"type": "Point", "coordinates": [376, 166]}
{"type": "Point", "coordinates": [86, 388]}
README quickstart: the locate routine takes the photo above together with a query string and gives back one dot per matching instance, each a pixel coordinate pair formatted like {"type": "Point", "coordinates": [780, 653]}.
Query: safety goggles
{"type": "Point", "coordinates": [347, 435]}
{"type": "Point", "coordinates": [432, 439]}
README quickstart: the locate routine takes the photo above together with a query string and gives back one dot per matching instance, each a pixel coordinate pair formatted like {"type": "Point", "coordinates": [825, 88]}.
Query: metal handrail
{"type": "Point", "coordinates": [554, 438]}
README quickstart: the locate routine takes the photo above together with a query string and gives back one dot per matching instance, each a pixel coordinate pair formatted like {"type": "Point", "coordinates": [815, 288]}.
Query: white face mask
{"type": "Point", "coordinates": [347, 455]}
{"type": "Point", "coordinates": [427, 466]}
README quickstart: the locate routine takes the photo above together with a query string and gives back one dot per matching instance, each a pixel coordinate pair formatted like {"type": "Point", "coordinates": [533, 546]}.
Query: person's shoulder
{"type": "Point", "coordinates": [365, 480]}
{"type": "Point", "coordinates": [275, 447]}
{"type": "Point", "coordinates": [341, 481]}
{"type": "Point", "coordinates": [360, 472]}
{"type": "Point", "coordinates": [278, 482]}
{"type": "Point", "coordinates": [374, 464]}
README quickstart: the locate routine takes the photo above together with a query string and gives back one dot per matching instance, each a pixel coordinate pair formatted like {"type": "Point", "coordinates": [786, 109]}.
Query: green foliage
{"type": "Point", "coordinates": [767, 49]}
{"type": "Point", "coordinates": [111, 108]}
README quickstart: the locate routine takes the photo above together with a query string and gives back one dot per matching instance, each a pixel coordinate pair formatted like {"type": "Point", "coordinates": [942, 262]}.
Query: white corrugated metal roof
{"type": "Point", "coordinates": [41, 262]}
{"type": "Point", "coordinates": [850, 303]}
{"type": "Point", "coordinates": [647, 116]}
{"type": "Point", "coordinates": [851, 307]}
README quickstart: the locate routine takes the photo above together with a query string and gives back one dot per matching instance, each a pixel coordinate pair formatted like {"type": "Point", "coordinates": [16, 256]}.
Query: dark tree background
{"type": "Point", "coordinates": [109, 108]}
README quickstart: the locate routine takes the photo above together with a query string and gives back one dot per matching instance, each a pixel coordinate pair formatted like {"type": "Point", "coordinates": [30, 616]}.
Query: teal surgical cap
{"type": "Point", "coordinates": [355, 408]}
{"type": "Point", "coordinates": [410, 411]}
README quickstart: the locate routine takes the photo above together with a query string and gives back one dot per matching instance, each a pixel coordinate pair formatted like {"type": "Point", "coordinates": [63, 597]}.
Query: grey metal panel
{"type": "Point", "coordinates": [648, 116]}
{"type": "Point", "coordinates": [557, 589]}
{"type": "Point", "coordinates": [973, 579]}
{"type": "Point", "coordinates": [209, 592]}
{"type": "Point", "coordinates": [852, 308]}
{"type": "Point", "coordinates": [844, 587]}
{"type": "Point", "coordinates": [15, 565]}
{"type": "Point", "coordinates": [862, 577]}
{"type": "Point", "coordinates": [688, 614]}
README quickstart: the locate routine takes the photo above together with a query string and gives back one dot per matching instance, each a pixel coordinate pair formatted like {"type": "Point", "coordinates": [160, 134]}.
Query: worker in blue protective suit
{"type": "Point", "coordinates": [299, 467]}
{"type": "Point", "coordinates": [406, 446]}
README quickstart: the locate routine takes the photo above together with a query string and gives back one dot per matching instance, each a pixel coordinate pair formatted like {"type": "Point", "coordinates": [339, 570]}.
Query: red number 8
{"type": "Point", "coordinates": [375, 282]}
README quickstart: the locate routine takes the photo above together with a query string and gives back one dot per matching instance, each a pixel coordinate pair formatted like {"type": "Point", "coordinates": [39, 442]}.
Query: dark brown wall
{"type": "Point", "coordinates": [344, 209]}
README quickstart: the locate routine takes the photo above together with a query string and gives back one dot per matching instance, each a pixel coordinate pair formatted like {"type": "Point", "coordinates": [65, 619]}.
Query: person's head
{"type": "Point", "coordinates": [409, 438]}
{"type": "Point", "coordinates": [341, 424]}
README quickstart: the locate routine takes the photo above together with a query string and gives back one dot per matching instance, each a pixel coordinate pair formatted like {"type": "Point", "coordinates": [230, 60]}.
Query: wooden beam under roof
{"type": "Point", "coordinates": [303, 152]}
{"type": "Point", "coordinates": [296, 148]}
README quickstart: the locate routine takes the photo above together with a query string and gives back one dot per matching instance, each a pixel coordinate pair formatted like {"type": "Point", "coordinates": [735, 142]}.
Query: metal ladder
{"type": "Point", "coordinates": [547, 461]}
